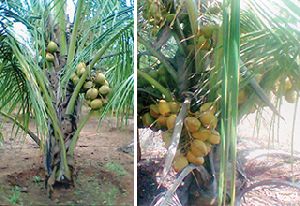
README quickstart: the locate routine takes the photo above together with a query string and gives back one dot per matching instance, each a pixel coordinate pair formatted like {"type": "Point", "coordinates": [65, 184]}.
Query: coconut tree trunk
{"type": "Point", "coordinates": [139, 152]}
{"type": "Point", "coordinates": [68, 125]}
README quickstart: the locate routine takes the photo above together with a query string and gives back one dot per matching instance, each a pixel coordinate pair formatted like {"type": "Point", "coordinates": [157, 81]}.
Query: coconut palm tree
{"type": "Point", "coordinates": [219, 62]}
{"type": "Point", "coordinates": [52, 54]}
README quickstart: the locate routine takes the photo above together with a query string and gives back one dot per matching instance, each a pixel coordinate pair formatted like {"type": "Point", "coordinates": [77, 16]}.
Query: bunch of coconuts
{"type": "Point", "coordinates": [197, 136]}
{"type": "Point", "coordinates": [51, 49]}
{"type": "Point", "coordinates": [154, 11]}
{"type": "Point", "coordinates": [96, 87]}
{"type": "Point", "coordinates": [289, 90]}
{"type": "Point", "coordinates": [285, 86]}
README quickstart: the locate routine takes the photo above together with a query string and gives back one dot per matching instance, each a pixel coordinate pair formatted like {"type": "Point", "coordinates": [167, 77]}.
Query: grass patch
{"type": "Point", "coordinates": [115, 168]}
{"type": "Point", "coordinates": [110, 196]}
{"type": "Point", "coordinates": [37, 179]}
{"type": "Point", "coordinates": [14, 198]}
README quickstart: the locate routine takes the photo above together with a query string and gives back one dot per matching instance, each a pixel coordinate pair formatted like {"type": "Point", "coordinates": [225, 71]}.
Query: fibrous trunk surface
{"type": "Point", "coordinates": [68, 126]}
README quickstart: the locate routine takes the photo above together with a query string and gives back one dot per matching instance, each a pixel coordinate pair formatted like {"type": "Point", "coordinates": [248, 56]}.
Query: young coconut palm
{"type": "Point", "coordinates": [51, 65]}
{"type": "Point", "coordinates": [193, 78]}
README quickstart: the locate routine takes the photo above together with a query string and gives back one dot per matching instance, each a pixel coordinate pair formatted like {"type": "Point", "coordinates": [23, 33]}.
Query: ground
{"type": "Point", "coordinates": [263, 157]}
{"type": "Point", "coordinates": [104, 172]}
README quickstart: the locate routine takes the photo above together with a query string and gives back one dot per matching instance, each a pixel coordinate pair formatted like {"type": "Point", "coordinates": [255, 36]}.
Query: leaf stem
{"type": "Point", "coordinates": [71, 52]}
{"type": "Point", "coordinates": [76, 135]}
{"type": "Point", "coordinates": [156, 84]}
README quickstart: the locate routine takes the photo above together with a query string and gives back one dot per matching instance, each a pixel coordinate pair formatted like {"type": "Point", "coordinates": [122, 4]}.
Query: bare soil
{"type": "Point", "coordinates": [104, 173]}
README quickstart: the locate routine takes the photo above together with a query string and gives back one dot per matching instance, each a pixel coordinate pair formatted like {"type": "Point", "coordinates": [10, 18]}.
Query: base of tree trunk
{"type": "Point", "coordinates": [55, 181]}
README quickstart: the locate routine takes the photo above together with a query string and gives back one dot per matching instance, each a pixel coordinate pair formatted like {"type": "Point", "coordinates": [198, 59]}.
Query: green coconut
{"type": "Point", "coordinates": [96, 104]}
{"type": "Point", "coordinates": [170, 18]}
{"type": "Point", "coordinates": [106, 83]}
{"type": "Point", "coordinates": [75, 79]}
{"type": "Point", "coordinates": [49, 57]}
{"type": "Point", "coordinates": [99, 78]}
{"type": "Point", "coordinates": [208, 30]}
{"type": "Point", "coordinates": [52, 47]}
{"type": "Point", "coordinates": [91, 93]}
{"type": "Point", "coordinates": [80, 68]}
{"type": "Point", "coordinates": [162, 71]}
{"type": "Point", "coordinates": [147, 120]}
{"type": "Point", "coordinates": [88, 85]}
{"type": "Point", "coordinates": [154, 74]}
{"type": "Point", "coordinates": [167, 138]}
{"type": "Point", "coordinates": [154, 111]}
{"type": "Point", "coordinates": [104, 90]}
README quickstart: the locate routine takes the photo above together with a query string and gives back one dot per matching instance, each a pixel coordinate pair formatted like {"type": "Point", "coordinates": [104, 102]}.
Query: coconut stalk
{"type": "Point", "coordinates": [77, 132]}
{"type": "Point", "coordinates": [59, 6]}
{"type": "Point", "coordinates": [45, 95]}
{"type": "Point", "coordinates": [230, 90]}
{"type": "Point", "coordinates": [71, 52]}
{"type": "Point", "coordinates": [97, 57]}
{"type": "Point", "coordinates": [157, 85]}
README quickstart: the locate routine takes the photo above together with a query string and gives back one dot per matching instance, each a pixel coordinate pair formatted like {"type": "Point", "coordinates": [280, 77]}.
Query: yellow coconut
{"type": "Point", "coordinates": [209, 106]}
{"type": "Point", "coordinates": [287, 84]}
{"type": "Point", "coordinates": [208, 119]}
{"type": "Point", "coordinates": [174, 106]}
{"type": "Point", "coordinates": [193, 159]}
{"type": "Point", "coordinates": [202, 134]}
{"type": "Point", "coordinates": [162, 120]}
{"type": "Point", "coordinates": [154, 110]}
{"type": "Point", "coordinates": [147, 119]}
{"type": "Point", "coordinates": [258, 77]}
{"type": "Point", "coordinates": [163, 108]}
{"type": "Point", "coordinates": [242, 97]}
{"type": "Point", "coordinates": [198, 148]}
{"type": "Point", "coordinates": [192, 124]}
{"type": "Point", "coordinates": [171, 120]}
{"type": "Point", "coordinates": [252, 109]}
{"type": "Point", "coordinates": [276, 87]}
{"type": "Point", "coordinates": [180, 162]}
{"type": "Point", "coordinates": [208, 146]}
{"type": "Point", "coordinates": [290, 96]}
{"type": "Point", "coordinates": [214, 138]}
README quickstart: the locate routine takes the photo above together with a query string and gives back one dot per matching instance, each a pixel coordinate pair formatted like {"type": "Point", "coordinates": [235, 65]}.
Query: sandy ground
{"type": "Point", "coordinates": [104, 173]}
{"type": "Point", "coordinates": [277, 137]}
